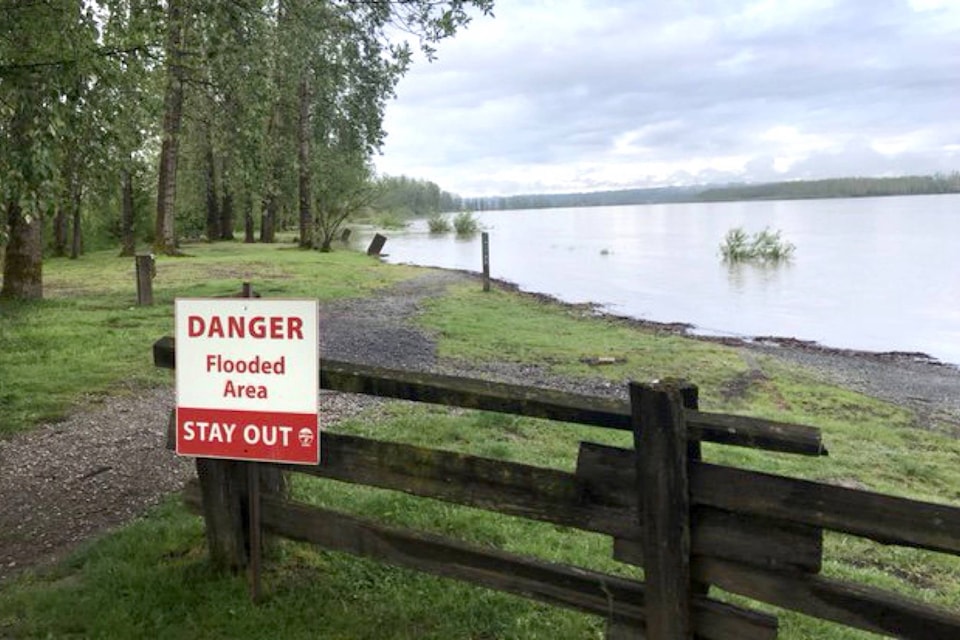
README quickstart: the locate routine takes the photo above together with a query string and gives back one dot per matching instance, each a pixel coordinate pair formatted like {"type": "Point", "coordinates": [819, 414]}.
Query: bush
{"type": "Point", "coordinates": [765, 246]}
{"type": "Point", "coordinates": [465, 223]}
{"type": "Point", "coordinates": [438, 224]}
{"type": "Point", "coordinates": [391, 220]}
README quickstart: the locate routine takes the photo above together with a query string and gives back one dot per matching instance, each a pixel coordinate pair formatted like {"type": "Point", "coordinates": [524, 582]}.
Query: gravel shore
{"type": "Point", "coordinates": [64, 483]}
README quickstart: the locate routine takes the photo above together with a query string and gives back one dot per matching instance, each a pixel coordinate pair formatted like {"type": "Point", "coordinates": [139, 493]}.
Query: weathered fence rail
{"type": "Point", "coordinates": [689, 523]}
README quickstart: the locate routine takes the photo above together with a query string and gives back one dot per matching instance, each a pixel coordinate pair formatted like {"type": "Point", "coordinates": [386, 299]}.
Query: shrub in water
{"type": "Point", "coordinates": [764, 246]}
{"type": "Point", "coordinates": [391, 220]}
{"type": "Point", "coordinates": [465, 223]}
{"type": "Point", "coordinates": [438, 224]}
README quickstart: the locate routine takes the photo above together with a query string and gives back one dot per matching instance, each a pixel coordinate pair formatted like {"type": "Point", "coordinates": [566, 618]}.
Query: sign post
{"type": "Point", "coordinates": [247, 379]}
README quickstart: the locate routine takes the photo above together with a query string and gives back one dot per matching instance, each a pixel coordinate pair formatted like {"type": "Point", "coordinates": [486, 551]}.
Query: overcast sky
{"type": "Point", "coordinates": [581, 95]}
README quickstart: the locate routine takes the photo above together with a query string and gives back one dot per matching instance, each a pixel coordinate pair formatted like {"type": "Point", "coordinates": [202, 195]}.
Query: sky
{"type": "Point", "coordinates": [556, 96]}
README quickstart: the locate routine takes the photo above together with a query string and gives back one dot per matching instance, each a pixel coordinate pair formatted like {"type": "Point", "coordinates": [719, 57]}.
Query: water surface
{"type": "Point", "coordinates": [879, 274]}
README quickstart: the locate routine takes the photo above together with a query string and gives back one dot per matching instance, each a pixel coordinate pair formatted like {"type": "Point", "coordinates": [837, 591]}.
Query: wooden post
{"type": "Point", "coordinates": [231, 506]}
{"type": "Point", "coordinates": [223, 487]}
{"type": "Point", "coordinates": [376, 245]}
{"type": "Point", "coordinates": [145, 269]}
{"type": "Point", "coordinates": [485, 242]}
{"type": "Point", "coordinates": [690, 396]}
{"type": "Point", "coordinates": [345, 235]}
{"type": "Point", "coordinates": [256, 546]}
{"type": "Point", "coordinates": [660, 442]}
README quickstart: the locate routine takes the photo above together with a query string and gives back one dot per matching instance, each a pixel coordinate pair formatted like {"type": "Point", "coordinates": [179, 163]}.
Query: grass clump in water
{"type": "Point", "coordinates": [439, 224]}
{"type": "Point", "coordinates": [764, 246]}
{"type": "Point", "coordinates": [465, 223]}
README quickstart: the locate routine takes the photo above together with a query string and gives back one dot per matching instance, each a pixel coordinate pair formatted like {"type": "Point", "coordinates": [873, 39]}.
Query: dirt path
{"type": "Point", "coordinates": [64, 483]}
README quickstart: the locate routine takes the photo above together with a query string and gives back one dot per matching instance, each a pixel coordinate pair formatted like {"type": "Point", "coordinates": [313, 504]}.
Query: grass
{"type": "Point", "coordinates": [439, 224]}
{"type": "Point", "coordinates": [150, 579]}
{"type": "Point", "coordinates": [465, 223]}
{"type": "Point", "coordinates": [88, 337]}
{"type": "Point", "coordinates": [766, 247]}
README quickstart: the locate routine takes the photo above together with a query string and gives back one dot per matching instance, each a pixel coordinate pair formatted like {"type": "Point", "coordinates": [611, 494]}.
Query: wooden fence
{"type": "Point", "coordinates": [690, 524]}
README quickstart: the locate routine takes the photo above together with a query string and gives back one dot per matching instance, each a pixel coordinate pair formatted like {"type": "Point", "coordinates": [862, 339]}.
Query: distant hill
{"type": "Point", "coordinates": [791, 190]}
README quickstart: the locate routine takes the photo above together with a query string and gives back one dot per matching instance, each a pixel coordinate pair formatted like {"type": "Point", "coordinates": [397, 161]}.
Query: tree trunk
{"type": "Point", "coordinates": [303, 157]}
{"type": "Point", "coordinates": [23, 264]}
{"type": "Point", "coordinates": [248, 219]}
{"type": "Point", "coordinates": [213, 198]}
{"type": "Point", "coordinates": [128, 242]}
{"type": "Point", "coordinates": [226, 216]}
{"type": "Point", "coordinates": [268, 218]}
{"type": "Point", "coordinates": [226, 204]}
{"type": "Point", "coordinates": [23, 260]}
{"type": "Point", "coordinates": [60, 231]}
{"type": "Point", "coordinates": [165, 240]}
{"type": "Point", "coordinates": [76, 246]}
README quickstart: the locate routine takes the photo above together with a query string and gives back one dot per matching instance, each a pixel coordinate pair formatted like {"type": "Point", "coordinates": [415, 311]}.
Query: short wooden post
{"type": "Point", "coordinates": [485, 242]}
{"type": "Point", "coordinates": [345, 235]}
{"type": "Point", "coordinates": [145, 268]}
{"type": "Point", "coordinates": [376, 245]}
{"type": "Point", "coordinates": [660, 442]}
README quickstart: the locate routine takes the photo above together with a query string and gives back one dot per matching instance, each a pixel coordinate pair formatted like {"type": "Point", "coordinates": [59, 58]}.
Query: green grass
{"type": "Point", "coordinates": [88, 337]}
{"type": "Point", "coordinates": [150, 579]}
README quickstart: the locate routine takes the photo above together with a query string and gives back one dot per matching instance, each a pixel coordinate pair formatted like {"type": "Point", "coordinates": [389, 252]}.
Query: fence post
{"type": "Point", "coordinates": [376, 245]}
{"type": "Point", "coordinates": [231, 492]}
{"type": "Point", "coordinates": [485, 242]}
{"type": "Point", "coordinates": [660, 442]}
{"type": "Point", "coordinates": [145, 268]}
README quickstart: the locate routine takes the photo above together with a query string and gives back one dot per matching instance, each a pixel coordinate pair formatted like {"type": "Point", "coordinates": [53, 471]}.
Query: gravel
{"type": "Point", "coordinates": [107, 463]}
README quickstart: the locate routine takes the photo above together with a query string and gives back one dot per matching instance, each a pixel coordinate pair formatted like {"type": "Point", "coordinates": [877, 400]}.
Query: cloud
{"type": "Point", "coordinates": [570, 95]}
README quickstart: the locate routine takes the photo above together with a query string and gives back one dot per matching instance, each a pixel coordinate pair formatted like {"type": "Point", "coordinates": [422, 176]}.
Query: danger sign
{"type": "Point", "coordinates": [247, 379]}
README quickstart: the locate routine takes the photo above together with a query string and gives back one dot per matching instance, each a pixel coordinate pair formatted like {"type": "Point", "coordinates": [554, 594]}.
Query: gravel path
{"type": "Point", "coordinates": [63, 483]}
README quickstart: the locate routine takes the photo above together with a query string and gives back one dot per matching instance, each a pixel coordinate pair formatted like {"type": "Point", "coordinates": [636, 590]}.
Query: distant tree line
{"type": "Point", "coordinates": [588, 199]}
{"type": "Point", "coordinates": [799, 189]}
{"type": "Point", "coordinates": [837, 188]}
{"type": "Point", "coordinates": [409, 197]}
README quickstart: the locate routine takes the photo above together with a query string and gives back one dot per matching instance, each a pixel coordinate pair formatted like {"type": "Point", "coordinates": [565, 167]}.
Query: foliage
{"type": "Point", "coordinates": [838, 188]}
{"type": "Point", "coordinates": [390, 220]}
{"type": "Point", "coordinates": [413, 198]}
{"type": "Point", "coordinates": [229, 109]}
{"type": "Point", "coordinates": [465, 223]}
{"type": "Point", "coordinates": [764, 246]}
{"type": "Point", "coordinates": [832, 188]}
{"type": "Point", "coordinates": [439, 224]}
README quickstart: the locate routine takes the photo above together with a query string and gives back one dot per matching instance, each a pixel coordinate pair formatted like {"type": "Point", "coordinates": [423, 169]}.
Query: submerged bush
{"type": "Point", "coordinates": [391, 220]}
{"type": "Point", "coordinates": [763, 246]}
{"type": "Point", "coordinates": [438, 224]}
{"type": "Point", "coordinates": [465, 223]}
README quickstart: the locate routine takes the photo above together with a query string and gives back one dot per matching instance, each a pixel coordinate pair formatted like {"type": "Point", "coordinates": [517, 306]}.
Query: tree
{"type": "Point", "coordinates": [165, 240]}
{"type": "Point", "coordinates": [301, 58]}
{"type": "Point", "coordinates": [33, 39]}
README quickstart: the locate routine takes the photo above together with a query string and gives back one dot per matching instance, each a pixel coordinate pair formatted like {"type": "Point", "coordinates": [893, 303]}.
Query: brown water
{"type": "Point", "coordinates": [878, 274]}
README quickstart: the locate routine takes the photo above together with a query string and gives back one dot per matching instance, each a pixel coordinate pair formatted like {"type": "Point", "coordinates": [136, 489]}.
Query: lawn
{"type": "Point", "coordinates": [151, 578]}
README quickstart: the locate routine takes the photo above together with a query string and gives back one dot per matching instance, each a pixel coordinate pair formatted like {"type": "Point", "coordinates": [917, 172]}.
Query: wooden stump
{"type": "Point", "coordinates": [146, 269]}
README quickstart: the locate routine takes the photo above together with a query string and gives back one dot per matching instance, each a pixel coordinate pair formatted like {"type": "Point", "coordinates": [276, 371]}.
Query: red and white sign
{"type": "Point", "coordinates": [247, 379]}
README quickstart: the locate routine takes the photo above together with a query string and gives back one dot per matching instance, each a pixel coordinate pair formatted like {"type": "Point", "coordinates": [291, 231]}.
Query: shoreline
{"type": "Point", "coordinates": [918, 382]}
{"type": "Point", "coordinates": [687, 330]}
